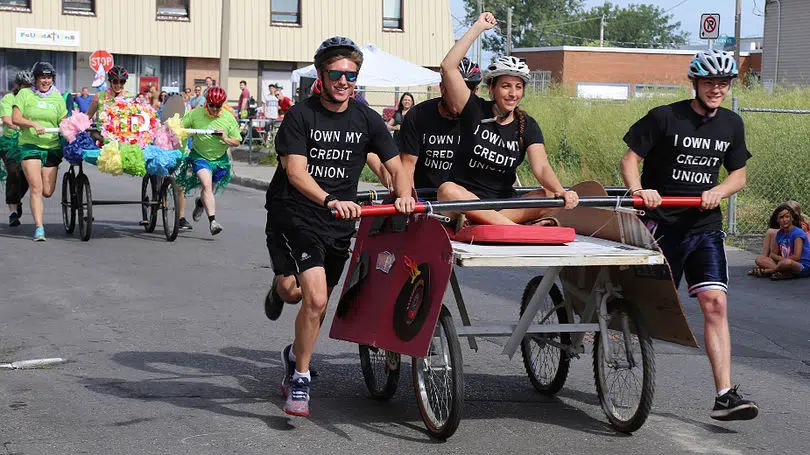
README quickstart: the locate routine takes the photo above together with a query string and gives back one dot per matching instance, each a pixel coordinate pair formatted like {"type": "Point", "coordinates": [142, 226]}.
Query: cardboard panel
{"type": "Point", "coordinates": [396, 304]}
{"type": "Point", "coordinates": [650, 288]}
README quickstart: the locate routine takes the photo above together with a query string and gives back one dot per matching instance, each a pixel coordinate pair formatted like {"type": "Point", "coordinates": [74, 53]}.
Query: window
{"type": "Point", "coordinates": [392, 14]}
{"type": "Point", "coordinates": [653, 90]}
{"type": "Point", "coordinates": [539, 81]}
{"type": "Point", "coordinates": [285, 12]}
{"type": "Point", "coordinates": [20, 6]}
{"type": "Point", "coordinates": [172, 10]}
{"type": "Point", "coordinates": [80, 7]}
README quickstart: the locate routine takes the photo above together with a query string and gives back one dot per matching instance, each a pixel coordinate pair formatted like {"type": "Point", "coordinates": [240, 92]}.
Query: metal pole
{"type": "Point", "coordinates": [732, 201]}
{"type": "Point", "coordinates": [480, 37]}
{"type": "Point", "coordinates": [737, 19]}
{"type": "Point", "coordinates": [224, 44]}
{"type": "Point", "coordinates": [508, 30]}
{"type": "Point", "coordinates": [250, 140]}
{"type": "Point", "coordinates": [602, 32]}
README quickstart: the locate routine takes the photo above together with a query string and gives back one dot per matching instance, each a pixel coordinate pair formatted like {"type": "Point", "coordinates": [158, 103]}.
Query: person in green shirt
{"type": "Point", "coordinates": [208, 163]}
{"type": "Point", "coordinates": [16, 185]}
{"type": "Point", "coordinates": [39, 153]}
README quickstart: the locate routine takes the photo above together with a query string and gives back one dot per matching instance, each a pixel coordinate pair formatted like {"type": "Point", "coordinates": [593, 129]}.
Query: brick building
{"type": "Point", "coordinates": [617, 73]}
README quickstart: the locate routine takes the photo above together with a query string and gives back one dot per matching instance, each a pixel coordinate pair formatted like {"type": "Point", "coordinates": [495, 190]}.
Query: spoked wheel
{"type": "Point", "coordinates": [84, 203]}
{"type": "Point", "coordinates": [69, 200]}
{"type": "Point", "coordinates": [439, 380]}
{"type": "Point", "coordinates": [544, 356]}
{"type": "Point", "coordinates": [169, 198]}
{"type": "Point", "coordinates": [149, 197]}
{"type": "Point", "coordinates": [380, 370]}
{"type": "Point", "coordinates": [625, 383]}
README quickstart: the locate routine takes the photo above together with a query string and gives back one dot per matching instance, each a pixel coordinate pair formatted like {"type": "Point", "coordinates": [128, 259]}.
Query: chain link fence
{"type": "Point", "coordinates": [779, 170]}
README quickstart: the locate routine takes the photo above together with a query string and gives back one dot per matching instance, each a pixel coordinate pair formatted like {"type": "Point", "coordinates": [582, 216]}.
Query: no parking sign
{"type": "Point", "coordinates": [709, 26]}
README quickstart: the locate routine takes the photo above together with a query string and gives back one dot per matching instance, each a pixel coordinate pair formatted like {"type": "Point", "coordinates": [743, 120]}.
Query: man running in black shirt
{"type": "Point", "coordinates": [682, 146]}
{"type": "Point", "coordinates": [323, 145]}
{"type": "Point", "coordinates": [430, 134]}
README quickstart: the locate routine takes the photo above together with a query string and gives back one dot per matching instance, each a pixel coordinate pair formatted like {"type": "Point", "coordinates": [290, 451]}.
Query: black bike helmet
{"type": "Point", "coordinates": [336, 45]}
{"type": "Point", "coordinates": [117, 72]}
{"type": "Point", "coordinates": [43, 69]}
{"type": "Point", "coordinates": [24, 78]}
{"type": "Point", "coordinates": [471, 72]}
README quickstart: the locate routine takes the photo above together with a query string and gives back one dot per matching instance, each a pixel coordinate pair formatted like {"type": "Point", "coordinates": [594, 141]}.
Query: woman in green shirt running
{"type": "Point", "coordinates": [16, 186]}
{"type": "Point", "coordinates": [39, 153]}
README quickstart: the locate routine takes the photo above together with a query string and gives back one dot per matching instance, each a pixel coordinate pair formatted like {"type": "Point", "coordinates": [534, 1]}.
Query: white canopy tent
{"type": "Point", "coordinates": [381, 69]}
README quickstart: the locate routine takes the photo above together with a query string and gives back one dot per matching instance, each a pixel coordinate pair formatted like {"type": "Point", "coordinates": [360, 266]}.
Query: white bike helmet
{"type": "Point", "coordinates": [713, 63]}
{"type": "Point", "coordinates": [507, 66]}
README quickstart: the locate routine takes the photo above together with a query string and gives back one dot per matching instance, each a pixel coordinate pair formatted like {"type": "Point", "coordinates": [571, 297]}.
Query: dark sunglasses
{"type": "Point", "coordinates": [213, 106]}
{"type": "Point", "coordinates": [118, 81]}
{"type": "Point", "coordinates": [335, 75]}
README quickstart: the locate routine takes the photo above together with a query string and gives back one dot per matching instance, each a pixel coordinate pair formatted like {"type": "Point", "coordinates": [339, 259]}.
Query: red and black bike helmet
{"type": "Point", "coordinates": [216, 95]}
{"type": "Point", "coordinates": [117, 72]}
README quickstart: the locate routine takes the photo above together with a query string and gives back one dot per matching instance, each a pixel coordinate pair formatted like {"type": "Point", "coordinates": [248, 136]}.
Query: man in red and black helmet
{"type": "Point", "coordinates": [117, 76]}
{"type": "Point", "coordinates": [208, 165]}
{"type": "Point", "coordinates": [323, 145]}
{"type": "Point", "coordinates": [430, 134]}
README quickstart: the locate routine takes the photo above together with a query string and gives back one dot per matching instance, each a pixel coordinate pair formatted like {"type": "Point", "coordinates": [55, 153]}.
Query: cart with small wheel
{"type": "Point", "coordinates": [596, 281]}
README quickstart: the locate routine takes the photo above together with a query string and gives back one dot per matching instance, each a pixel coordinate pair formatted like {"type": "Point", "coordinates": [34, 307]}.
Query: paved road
{"type": "Point", "coordinates": [169, 352]}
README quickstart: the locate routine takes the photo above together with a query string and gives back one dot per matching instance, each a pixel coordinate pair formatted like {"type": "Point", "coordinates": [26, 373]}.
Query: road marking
{"type": "Point", "coordinates": [30, 364]}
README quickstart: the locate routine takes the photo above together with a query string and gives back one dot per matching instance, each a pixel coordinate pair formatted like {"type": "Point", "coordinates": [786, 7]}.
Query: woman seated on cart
{"type": "Point", "coordinates": [39, 153]}
{"type": "Point", "coordinates": [492, 148]}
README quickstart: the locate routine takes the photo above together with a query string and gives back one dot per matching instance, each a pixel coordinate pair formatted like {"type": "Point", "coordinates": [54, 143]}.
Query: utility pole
{"type": "Point", "coordinates": [737, 20]}
{"type": "Point", "coordinates": [224, 44]}
{"type": "Point", "coordinates": [508, 31]}
{"type": "Point", "coordinates": [602, 32]}
{"type": "Point", "coordinates": [478, 50]}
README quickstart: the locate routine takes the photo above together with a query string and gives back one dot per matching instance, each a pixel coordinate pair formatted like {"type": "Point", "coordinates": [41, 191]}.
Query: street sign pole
{"type": "Point", "coordinates": [710, 27]}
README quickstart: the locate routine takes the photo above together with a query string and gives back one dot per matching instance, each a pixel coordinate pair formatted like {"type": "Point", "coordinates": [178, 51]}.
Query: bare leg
{"type": "Point", "coordinates": [287, 288]}
{"type": "Point", "coordinates": [308, 322]}
{"type": "Point", "coordinates": [766, 263]}
{"type": "Point", "coordinates": [449, 191]}
{"type": "Point", "coordinates": [523, 215]}
{"type": "Point", "coordinates": [789, 267]}
{"type": "Point", "coordinates": [49, 180]}
{"type": "Point", "coordinates": [207, 192]}
{"type": "Point", "coordinates": [181, 201]}
{"type": "Point", "coordinates": [33, 174]}
{"type": "Point", "coordinates": [716, 335]}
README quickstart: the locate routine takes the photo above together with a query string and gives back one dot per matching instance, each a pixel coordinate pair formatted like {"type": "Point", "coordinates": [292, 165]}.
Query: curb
{"type": "Point", "coordinates": [250, 182]}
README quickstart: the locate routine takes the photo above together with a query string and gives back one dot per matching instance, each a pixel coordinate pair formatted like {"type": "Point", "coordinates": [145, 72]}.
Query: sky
{"type": "Point", "coordinates": [687, 12]}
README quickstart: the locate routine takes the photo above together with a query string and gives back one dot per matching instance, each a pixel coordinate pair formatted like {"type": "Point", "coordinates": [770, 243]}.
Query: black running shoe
{"type": "Point", "coordinates": [14, 219]}
{"type": "Point", "coordinates": [289, 369]}
{"type": "Point", "coordinates": [198, 210]}
{"type": "Point", "coordinates": [732, 406]}
{"type": "Point", "coordinates": [272, 302]}
{"type": "Point", "coordinates": [185, 225]}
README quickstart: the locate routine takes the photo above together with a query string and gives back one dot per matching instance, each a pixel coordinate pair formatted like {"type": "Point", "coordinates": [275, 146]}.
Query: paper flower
{"type": "Point", "coordinates": [73, 151]}
{"type": "Point", "coordinates": [129, 122]}
{"type": "Point", "coordinates": [109, 160]}
{"type": "Point", "coordinates": [132, 160]}
{"type": "Point", "coordinates": [161, 162]}
{"type": "Point", "coordinates": [77, 123]}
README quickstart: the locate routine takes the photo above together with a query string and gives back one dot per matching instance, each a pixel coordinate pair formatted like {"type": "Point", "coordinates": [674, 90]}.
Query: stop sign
{"type": "Point", "coordinates": [101, 59]}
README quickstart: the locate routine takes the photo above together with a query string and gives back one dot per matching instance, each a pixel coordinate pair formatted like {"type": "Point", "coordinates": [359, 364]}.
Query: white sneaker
{"type": "Point", "coordinates": [198, 209]}
{"type": "Point", "coordinates": [215, 227]}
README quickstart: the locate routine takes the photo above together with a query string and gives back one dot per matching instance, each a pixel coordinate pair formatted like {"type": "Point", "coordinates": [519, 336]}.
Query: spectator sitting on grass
{"type": "Point", "coordinates": [785, 255]}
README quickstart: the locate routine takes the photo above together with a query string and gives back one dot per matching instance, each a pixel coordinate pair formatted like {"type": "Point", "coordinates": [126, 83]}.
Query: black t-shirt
{"type": "Point", "coordinates": [490, 153]}
{"type": "Point", "coordinates": [682, 157]}
{"type": "Point", "coordinates": [336, 145]}
{"type": "Point", "coordinates": [432, 138]}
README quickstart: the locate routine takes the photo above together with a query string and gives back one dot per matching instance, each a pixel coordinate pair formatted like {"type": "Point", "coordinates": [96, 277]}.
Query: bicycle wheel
{"type": "Point", "coordinates": [69, 201]}
{"type": "Point", "coordinates": [168, 205]}
{"type": "Point", "coordinates": [149, 197]}
{"type": "Point", "coordinates": [84, 203]}
{"type": "Point", "coordinates": [380, 371]}
{"type": "Point", "coordinates": [545, 360]}
{"type": "Point", "coordinates": [439, 380]}
{"type": "Point", "coordinates": [625, 384]}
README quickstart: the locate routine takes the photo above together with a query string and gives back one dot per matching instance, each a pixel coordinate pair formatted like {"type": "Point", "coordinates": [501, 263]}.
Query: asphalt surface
{"type": "Point", "coordinates": [169, 352]}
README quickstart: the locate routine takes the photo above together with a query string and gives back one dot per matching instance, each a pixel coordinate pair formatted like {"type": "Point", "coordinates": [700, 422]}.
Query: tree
{"type": "Point", "coordinates": [527, 17]}
{"type": "Point", "coordinates": [644, 26]}
{"type": "Point", "coordinates": [565, 22]}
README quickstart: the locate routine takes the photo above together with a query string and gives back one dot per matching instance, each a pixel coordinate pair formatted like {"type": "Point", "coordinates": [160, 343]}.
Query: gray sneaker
{"type": "Point", "coordinates": [198, 209]}
{"type": "Point", "coordinates": [298, 399]}
{"type": "Point", "coordinates": [215, 227]}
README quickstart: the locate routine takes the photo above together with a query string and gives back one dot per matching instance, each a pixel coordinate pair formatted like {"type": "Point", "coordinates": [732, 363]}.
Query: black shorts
{"type": "Point", "coordinates": [51, 161]}
{"type": "Point", "coordinates": [293, 251]}
{"type": "Point", "coordinates": [701, 257]}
